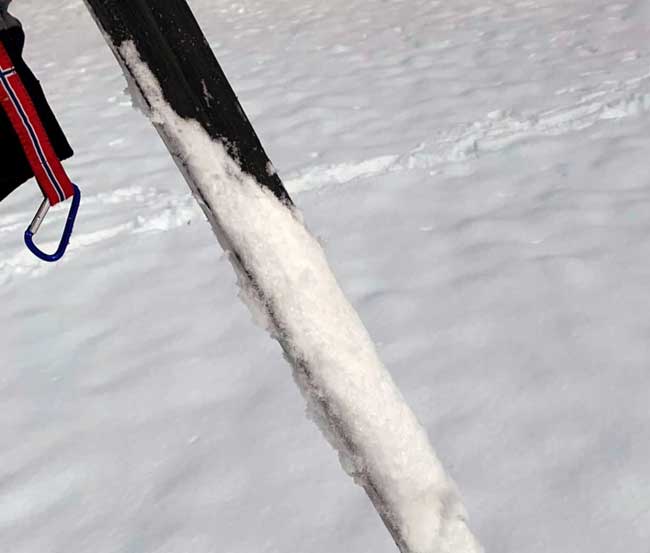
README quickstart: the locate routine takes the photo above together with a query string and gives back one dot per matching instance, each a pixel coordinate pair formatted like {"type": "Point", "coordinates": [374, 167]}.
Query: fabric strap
{"type": "Point", "coordinates": [18, 106]}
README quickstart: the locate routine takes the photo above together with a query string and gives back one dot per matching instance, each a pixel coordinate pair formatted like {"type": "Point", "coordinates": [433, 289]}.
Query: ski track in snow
{"type": "Point", "coordinates": [496, 132]}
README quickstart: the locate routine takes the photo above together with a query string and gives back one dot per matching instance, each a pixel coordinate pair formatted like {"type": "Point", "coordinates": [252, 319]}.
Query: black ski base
{"type": "Point", "coordinates": [170, 41]}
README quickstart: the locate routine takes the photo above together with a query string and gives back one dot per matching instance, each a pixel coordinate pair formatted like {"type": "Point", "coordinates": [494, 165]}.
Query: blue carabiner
{"type": "Point", "coordinates": [67, 231]}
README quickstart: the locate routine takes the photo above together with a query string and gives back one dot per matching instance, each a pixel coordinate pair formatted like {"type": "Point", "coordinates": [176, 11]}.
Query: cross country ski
{"type": "Point", "coordinates": [283, 273]}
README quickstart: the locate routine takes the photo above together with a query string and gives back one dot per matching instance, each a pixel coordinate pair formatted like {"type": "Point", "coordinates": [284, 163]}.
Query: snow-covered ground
{"type": "Point", "coordinates": [478, 174]}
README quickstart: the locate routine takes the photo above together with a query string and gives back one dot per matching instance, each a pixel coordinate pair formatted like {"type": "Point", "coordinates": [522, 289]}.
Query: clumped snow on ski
{"type": "Point", "coordinates": [348, 390]}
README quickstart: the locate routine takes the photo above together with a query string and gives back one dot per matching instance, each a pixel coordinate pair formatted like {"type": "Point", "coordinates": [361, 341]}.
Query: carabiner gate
{"type": "Point", "coordinates": [67, 231]}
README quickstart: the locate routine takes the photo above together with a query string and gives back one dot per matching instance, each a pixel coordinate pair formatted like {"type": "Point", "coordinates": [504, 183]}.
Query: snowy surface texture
{"type": "Point", "coordinates": [478, 175]}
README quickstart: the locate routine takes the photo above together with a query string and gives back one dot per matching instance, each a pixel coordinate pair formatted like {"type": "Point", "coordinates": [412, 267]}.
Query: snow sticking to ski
{"type": "Point", "coordinates": [349, 392]}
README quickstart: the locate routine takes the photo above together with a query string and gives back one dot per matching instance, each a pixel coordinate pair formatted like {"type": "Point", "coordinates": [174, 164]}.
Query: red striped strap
{"type": "Point", "coordinates": [18, 105]}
